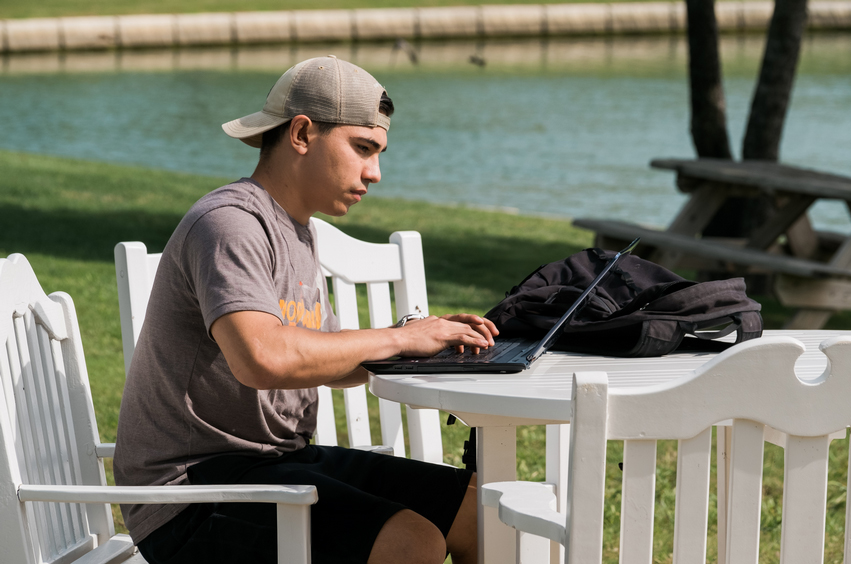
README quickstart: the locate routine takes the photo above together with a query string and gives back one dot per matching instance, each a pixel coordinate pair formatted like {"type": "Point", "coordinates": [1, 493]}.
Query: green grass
{"type": "Point", "coordinates": [67, 215]}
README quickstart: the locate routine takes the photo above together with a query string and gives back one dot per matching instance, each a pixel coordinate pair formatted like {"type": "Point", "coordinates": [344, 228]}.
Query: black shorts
{"type": "Point", "coordinates": [358, 492]}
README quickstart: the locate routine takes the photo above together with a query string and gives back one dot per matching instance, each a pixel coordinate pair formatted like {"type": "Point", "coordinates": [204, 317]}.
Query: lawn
{"type": "Point", "coordinates": [67, 215]}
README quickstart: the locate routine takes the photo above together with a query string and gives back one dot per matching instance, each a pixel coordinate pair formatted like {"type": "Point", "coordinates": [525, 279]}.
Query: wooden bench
{"type": "Point", "coordinates": [723, 255]}
{"type": "Point", "coordinates": [810, 270]}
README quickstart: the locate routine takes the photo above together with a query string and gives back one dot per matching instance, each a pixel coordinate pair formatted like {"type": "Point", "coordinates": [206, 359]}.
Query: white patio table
{"type": "Point", "coordinates": [497, 403]}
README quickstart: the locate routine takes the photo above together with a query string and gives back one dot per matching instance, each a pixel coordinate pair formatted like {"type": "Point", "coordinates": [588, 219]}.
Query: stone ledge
{"type": "Point", "coordinates": [205, 29]}
{"type": "Point", "coordinates": [384, 23]}
{"type": "Point", "coordinates": [37, 34]}
{"type": "Point", "coordinates": [305, 26]}
{"type": "Point", "coordinates": [89, 33]}
{"type": "Point", "coordinates": [323, 25]}
{"type": "Point", "coordinates": [455, 21]}
{"type": "Point", "coordinates": [159, 30]}
{"type": "Point", "coordinates": [262, 27]}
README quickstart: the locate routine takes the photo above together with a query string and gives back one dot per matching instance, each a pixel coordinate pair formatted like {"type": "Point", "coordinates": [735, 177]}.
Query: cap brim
{"type": "Point", "coordinates": [250, 129]}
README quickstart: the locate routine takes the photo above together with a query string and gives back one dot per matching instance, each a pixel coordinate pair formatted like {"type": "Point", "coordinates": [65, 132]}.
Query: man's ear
{"type": "Point", "coordinates": [300, 134]}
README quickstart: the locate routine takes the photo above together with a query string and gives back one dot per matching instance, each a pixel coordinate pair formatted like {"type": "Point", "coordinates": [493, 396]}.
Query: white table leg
{"type": "Point", "coordinates": [532, 549]}
{"type": "Point", "coordinates": [496, 461]}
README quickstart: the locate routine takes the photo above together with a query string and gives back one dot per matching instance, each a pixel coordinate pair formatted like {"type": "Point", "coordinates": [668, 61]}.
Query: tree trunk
{"type": "Point", "coordinates": [740, 216]}
{"type": "Point", "coordinates": [708, 109]}
{"type": "Point", "coordinates": [771, 97]}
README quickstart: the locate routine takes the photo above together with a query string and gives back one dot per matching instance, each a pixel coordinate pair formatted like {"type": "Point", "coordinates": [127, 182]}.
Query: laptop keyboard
{"type": "Point", "coordinates": [499, 347]}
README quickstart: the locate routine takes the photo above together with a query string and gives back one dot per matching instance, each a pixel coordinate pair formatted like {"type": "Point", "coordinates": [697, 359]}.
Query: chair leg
{"type": "Point", "coordinates": [532, 549]}
{"type": "Point", "coordinates": [293, 534]}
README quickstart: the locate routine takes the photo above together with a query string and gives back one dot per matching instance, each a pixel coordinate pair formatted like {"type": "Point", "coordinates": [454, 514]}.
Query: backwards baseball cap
{"type": "Point", "coordinates": [324, 89]}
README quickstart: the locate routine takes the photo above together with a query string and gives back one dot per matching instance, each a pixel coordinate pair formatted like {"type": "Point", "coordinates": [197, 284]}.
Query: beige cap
{"type": "Point", "coordinates": [324, 89]}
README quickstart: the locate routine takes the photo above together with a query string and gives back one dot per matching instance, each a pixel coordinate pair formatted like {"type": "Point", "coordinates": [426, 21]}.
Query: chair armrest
{"type": "Point", "coordinates": [290, 495]}
{"type": "Point", "coordinates": [528, 507]}
{"type": "Point", "coordinates": [292, 505]}
{"type": "Point", "coordinates": [105, 450]}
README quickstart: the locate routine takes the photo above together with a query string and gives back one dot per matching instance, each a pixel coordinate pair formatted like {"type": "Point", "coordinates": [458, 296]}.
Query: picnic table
{"type": "Point", "coordinates": [808, 269]}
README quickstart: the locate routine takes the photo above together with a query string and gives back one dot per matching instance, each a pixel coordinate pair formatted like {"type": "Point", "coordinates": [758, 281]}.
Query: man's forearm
{"type": "Point", "coordinates": [356, 377]}
{"type": "Point", "coordinates": [263, 354]}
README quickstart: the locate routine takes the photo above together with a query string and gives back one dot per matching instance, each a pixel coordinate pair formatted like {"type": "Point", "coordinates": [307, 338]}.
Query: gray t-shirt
{"type": "Point", "coordinates": [235, 250]}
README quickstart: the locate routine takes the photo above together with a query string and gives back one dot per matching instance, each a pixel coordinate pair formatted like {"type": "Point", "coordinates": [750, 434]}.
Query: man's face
{"type": "Point", "coordinates": [343, 163]}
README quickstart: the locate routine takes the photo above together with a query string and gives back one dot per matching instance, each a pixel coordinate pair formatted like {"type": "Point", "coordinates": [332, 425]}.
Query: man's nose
{"type": "Point", "coordinates": [372, 172]}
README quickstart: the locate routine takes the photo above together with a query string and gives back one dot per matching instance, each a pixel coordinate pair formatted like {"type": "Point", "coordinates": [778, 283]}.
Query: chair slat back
{"type": "Point", "coordinates": [348, 262]}
{"type": "Point", "coordinates": [755, 385]}
{"type": "Point", "coordinates": [745, 497]}
{"type": "Point", "coordinates": [691, 512]}
{"type": "Point", "coordinates": [412, 297]}
{"type": "Point", "coordinates": [135, 270]}
{"type": "Point", "coordinates": [44, 439]}
{"type": "Point", "coordinates": [804, 498]}
{"type": "Point", "coordinates": [639, 487]}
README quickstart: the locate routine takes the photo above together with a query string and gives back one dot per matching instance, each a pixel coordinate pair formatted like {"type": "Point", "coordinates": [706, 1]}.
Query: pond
{"type": "Point", "coordinates": [557, 127]}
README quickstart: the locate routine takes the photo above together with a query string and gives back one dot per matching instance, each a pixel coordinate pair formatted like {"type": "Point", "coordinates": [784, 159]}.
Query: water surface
{"type": "Point", "coordinates": [563, 127]}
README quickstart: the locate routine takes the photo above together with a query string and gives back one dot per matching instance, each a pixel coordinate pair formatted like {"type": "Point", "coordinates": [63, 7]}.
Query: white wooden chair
{"type": "Point", "coordinates": [347, 261]}
{"type": "Point", "coordinates": [755, 385]}
{"type": "Point", "coordinates": [54, 501]}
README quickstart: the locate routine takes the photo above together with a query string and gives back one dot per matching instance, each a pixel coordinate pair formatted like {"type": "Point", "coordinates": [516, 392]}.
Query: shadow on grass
{"type": "Point", "coordinates": [83, 235]}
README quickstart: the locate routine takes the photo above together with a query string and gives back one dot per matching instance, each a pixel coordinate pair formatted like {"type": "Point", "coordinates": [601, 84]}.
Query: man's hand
{"type": "Point", "coordinates": [429, 336]}
{"type": "Point", "coordinates": [484, 326]}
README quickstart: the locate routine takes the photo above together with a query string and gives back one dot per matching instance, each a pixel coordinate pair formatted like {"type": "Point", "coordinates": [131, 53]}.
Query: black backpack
{"type": "Point", "coordinates": [639, 309]}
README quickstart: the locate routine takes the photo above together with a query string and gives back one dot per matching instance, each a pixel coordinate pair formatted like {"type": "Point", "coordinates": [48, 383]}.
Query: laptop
{"type": "Point", "coordinates": [506, 356]}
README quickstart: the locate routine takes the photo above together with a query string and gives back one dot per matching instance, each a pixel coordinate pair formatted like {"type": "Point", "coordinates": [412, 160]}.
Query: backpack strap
{"type": "Point", "coordinates": [751, 326]}
{"type": "Point", "coordinates": [746, 324]}
{"type": "Point", "coordinates": [625, 276]}
{"type": "Point", "coordinates": [734, 325]}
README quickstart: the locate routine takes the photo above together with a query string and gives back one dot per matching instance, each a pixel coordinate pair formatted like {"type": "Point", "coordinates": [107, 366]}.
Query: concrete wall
{"type": "Point", "coordinates": [565, 53]}
{"type": "Point", "coordinates": [303, 26]}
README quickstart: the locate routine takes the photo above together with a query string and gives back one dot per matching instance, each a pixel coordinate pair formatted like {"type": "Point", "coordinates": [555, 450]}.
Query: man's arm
{"type": "Point", "coordinates": [356, 377]}
{"type": "Point", "coordinates": [264, 354]}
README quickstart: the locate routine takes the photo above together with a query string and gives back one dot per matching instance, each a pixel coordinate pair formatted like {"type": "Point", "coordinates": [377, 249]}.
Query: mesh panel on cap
{"type": "Point", "coordinates": [277, 98]}
{"type": "Point", "coordinates": [315, 91]}
{"type": "Point", "coordinates": [363, 93]}
{"type": "Point", "coordinates": [335, 91]}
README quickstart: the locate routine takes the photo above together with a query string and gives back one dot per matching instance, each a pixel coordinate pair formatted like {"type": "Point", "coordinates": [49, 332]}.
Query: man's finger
{"type": "Point", "coordinates": [467, 318]}
{"type": "Point", "coordinates": [473, 338]}
{"type": "Point", "coordinates": [484, 332]}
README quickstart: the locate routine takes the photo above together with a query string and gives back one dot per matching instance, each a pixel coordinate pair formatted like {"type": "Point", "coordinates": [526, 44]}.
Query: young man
{"type": "Point", "coordinates": [222, 384]}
